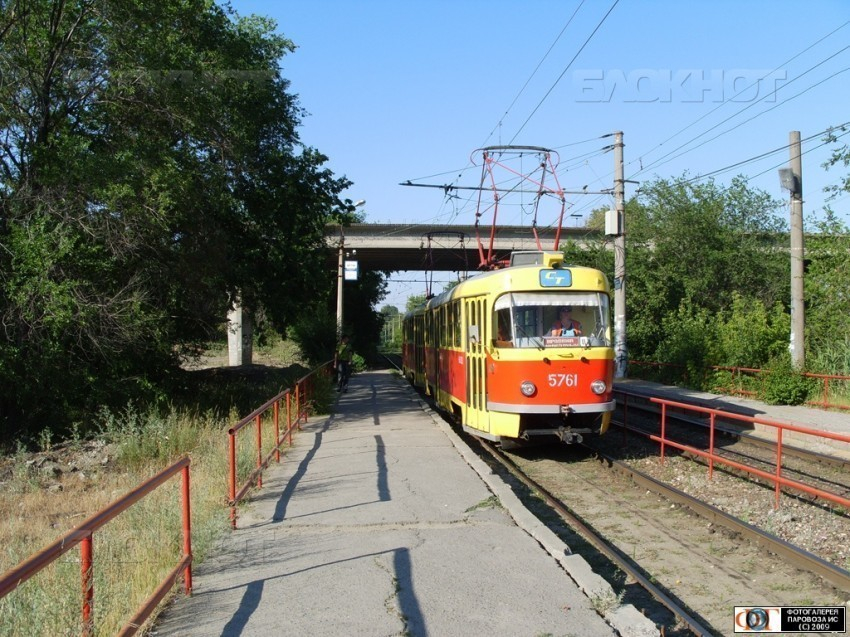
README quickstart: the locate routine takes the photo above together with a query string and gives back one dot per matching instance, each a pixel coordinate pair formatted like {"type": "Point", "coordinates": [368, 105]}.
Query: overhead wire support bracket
{"type": "Point", "coordinates": [448, 188]}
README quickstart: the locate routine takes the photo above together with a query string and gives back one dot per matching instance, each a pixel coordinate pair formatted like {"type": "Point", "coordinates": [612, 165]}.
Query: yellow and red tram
{"type": "Point", "coordinates": [492, 353]}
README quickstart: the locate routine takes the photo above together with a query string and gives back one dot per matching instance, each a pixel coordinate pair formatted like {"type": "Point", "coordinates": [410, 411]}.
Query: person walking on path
{"type": "Point", "coordinates": [342, 362]}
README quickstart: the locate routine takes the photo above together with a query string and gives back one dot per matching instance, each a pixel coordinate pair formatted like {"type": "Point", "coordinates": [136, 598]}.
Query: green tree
{"type": "Point", "coordinates": [707, 273]}
{"type": "Point", "coordinates": [699, 245]}
{"type": "Point", "coordinates": [150, 174]}
{"type": "Point", "coordinates": [827, 296]}
{"type": "Point", "coordinates": [826, 289]}
{"type": "Point", "coordinates": [414, 301]}
{"type": "Point", "coordinates": [840, 157]}
{"type": "Point", "coordinates": [392, 332]}
{"type": "Point", "coordinates": [362, 320]}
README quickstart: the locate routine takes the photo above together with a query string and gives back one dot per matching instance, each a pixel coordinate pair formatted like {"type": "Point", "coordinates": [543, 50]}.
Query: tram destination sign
{"type": "Point", "coordinates": [556, 278]}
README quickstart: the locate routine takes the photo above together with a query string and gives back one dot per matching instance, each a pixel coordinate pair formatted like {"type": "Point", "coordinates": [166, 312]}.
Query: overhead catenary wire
{"type": "Point", "coordinates": [725, 102]}
{"type": "Point", "coordinates": [455, 203]}
{"type": "Point", "coordinates": [450, 187]}
{"type": "Point", "coordinates": [779, 149]}
{"type": "Point", "coordinates": [458, 204]}
{"type": "Point", "coordinates": [564, 72]}
{"type": "Point", "coordinates": [829, 141]}
{"type": "Point", "coordinates": [667, 157]}
{"type": "Point", "coordinates": [461, 171]}
{"type": "Point", "coordinates": [533, 73]}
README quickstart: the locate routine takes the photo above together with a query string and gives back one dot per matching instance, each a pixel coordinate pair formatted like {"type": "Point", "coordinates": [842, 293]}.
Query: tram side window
{"type": "Point", "coordinates": [503, 335]}
{"type": "Point", "coordinates": [454, 323]}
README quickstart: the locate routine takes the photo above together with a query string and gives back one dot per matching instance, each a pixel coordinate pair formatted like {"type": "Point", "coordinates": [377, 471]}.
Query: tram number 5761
{"type": "Point", "coordinates": [563, 380]}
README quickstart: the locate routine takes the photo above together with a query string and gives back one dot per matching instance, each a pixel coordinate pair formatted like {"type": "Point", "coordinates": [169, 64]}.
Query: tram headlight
{"type": "Point", "coordinates": [598, 387]}
{"type": "Point", "coordinates": [528, 388]}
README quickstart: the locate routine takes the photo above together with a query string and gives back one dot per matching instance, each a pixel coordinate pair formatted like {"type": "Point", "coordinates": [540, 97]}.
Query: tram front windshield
{"type": "Point", "coordinates": [552, 319]}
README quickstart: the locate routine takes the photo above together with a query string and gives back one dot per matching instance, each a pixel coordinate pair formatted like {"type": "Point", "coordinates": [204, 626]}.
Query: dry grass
{"type": "Point", "coordinates": [45, 494]}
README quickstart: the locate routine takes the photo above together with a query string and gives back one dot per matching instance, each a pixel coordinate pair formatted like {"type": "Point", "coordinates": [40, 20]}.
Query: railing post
{"type": "Point", "coordinates": [232, 493]}
{"type": "Point", "coordinates": [663, 429]}
{"type": "Point", "coordinates": [778, 487]}
{"type": "Point", "coordinates": [289, 416]}
{"type": "Point", "coordinates": [259, 421]}
{"type": "Point", "coordinates": [87, 571]}
{"type": "Point", "coordinates": [187, 530]}
{"type": "Point", "coordinates": [277, 440]}
{"type": "Point", "coordinates": [711, 445]}
{"type": "Point", "coordinates": [305, 397]}
{"type": "Point", "coordinates": [298, 405]}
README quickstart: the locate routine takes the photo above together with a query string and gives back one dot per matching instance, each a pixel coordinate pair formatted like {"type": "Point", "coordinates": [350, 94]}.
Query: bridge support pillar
{"type": "Point", "coordinates": [240, 336]}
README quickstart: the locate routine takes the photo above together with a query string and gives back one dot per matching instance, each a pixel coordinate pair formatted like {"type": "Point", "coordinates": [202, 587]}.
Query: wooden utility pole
{"type": "Point", "coordinates": [620, 350]}
{"type": "Point", "coordinates": [798, 312]}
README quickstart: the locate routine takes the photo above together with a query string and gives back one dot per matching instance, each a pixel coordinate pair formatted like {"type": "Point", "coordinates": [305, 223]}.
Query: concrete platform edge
{"type": "Point", "coordinates": [624, 618]}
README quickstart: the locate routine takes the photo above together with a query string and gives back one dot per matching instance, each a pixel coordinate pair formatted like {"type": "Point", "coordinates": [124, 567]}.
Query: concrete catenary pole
{"type": "Point", "coordinates": [340, 281]}
{"type": "Point", "coordinates": [620, 350]}
{"type": "Point", "coordinates": [798, 313]}
{"type": "Point", "coordinates": [340, 275]}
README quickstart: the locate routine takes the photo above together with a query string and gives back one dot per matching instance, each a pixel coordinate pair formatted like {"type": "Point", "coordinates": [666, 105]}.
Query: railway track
{"type": "Point", "coordinates": [692, 561]}
{"type": "Point", "coordinates": [699, 562]}
{"type": "Point", "coordinates": [824, 471]}
{"type": "Point", "coordinates": [652, 414]}
{"type": "Point", "coordinates": [615, 555]}
{"type": "Point", "coordinates": [794, 555]}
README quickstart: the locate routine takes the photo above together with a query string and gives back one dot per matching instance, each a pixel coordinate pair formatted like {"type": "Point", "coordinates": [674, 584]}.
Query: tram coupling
{"type": "Point", "coordinates": [567, 435]}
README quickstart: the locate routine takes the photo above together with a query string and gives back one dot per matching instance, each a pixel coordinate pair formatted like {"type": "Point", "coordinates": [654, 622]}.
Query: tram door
{"type": "Point", "coordinates": [440, 341]}
{"type": "Point", "coordinates": [419, 348]}
{"type": "Point", "coordinates": [474, 312]}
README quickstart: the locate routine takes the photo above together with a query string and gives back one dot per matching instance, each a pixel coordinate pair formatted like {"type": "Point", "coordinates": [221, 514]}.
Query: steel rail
{"type": "Point", "coordinates": [776, 479]}
{"type": "Point", "coordinates": [797, 556]}
{"type": "Point", "coordinates": [610, 551]}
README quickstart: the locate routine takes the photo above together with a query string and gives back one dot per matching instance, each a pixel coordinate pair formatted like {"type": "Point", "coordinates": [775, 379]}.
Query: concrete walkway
{"type": "Point", "coordinates": [380, 522]}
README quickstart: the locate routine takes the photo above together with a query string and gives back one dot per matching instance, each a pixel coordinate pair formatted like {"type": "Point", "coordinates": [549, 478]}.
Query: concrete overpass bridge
{"type": "Point", "coordinates": [420, 247]}
{"type": "Point", "coordinates": [402, 248]}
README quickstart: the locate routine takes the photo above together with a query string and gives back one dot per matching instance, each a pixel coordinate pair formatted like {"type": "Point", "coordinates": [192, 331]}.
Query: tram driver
{"type": "Point", "coordinates": [566, 325]}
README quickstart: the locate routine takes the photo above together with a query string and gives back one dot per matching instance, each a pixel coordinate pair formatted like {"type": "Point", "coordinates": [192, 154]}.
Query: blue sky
{"type": "Point", "coordinates": [399, 90]}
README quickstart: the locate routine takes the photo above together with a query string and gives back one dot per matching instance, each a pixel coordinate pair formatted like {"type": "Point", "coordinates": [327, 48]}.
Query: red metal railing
{"type": "Point", "coordinates": [740, 373]}
{"type": "Point", "coordinates": [297, 402]}
{"type": "Point", "coordinates": [776, 477]}
{"type": "Point", "coordinates": [83, 535]}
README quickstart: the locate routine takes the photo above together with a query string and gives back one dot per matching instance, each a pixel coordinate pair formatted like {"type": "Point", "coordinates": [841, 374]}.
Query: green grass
{"type": "Point", "coordinates": [134, 551]}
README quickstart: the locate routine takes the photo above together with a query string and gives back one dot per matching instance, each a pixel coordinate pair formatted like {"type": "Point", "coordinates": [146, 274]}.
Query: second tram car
{"type": "Point", "coordinates": [492, 352]}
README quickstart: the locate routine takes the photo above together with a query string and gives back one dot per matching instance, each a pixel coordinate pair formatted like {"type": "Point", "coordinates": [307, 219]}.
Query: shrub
{"type": "Point", "coordinates": [688, 337]}
{"type": "Point", "coordinates": [316, 337]}
{"type": "Point", "coordinates": [750, 334]}
{"type": "Point", "coordinates": [783, 385]}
